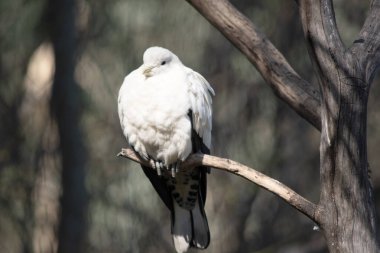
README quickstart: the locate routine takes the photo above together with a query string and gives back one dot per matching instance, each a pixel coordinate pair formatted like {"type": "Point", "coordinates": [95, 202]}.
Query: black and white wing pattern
{"type": "Point", "coordinates": [185, 195]}
{"type": "Point", "coordinates": [165, 111]}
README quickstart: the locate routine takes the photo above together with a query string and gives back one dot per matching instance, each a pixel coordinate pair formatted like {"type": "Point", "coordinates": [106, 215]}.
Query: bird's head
{"type": "Point", "coordinates": [157, 60]}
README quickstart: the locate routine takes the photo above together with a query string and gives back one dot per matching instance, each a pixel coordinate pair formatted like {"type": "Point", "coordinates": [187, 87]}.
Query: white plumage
{"type": "Point", "coordinates": [165, 110]}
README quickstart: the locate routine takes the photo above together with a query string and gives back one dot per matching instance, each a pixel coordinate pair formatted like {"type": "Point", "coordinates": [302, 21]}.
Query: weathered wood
{"type": "Point", "coordinates": [291, 197]}
{"type": "Point", "coordinates": [346, 209]}
{"type": "Point", "coordinates": [366, 48]}
{"type": "Point", "coordinates": [274, 68]}
{"type": "Point", "coordinates": [346, 194]}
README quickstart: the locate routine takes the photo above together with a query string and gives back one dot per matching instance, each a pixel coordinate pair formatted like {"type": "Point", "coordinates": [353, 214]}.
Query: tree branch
{"type": "Point", "coordinates": [367, 47]}
{"type": "Point", "coordinates": [291, 197]}
{"type": "Point", "coordinates": [321, 32]}
{"type": "Point", "coordinates": [271, 64]}
{"type": "Point", "coordinates": [345, 188]}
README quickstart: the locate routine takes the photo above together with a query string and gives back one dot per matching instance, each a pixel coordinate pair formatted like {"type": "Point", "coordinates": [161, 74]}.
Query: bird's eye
{"type": "Point", "coordinates": [163, 62]}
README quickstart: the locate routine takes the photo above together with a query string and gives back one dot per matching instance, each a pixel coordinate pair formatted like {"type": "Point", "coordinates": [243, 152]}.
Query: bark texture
{"type": "Point", "coordinates": [346, 194]}
{"type": "Point", "coordinates": [274, 68]}
{"type": "Point", "coordinates": [346, 211]}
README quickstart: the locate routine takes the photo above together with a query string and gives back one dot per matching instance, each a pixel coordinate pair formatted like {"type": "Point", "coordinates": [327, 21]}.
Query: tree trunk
{"type": "Point", "coordinates": [349, 221]}
{"type": "Point", "coordinates": [347, 210]}
{"type": "Point", "coordinates": [66, 106]}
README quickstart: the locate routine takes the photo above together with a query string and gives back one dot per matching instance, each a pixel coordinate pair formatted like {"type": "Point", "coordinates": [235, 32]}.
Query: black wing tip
{"type": "Point", "coordinates": [160, 186]}
{"type": "Point", "coordinates": [193, 243]}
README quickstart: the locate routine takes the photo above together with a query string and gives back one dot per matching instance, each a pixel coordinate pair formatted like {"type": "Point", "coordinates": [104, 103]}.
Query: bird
{"type": "Point", "coordinates": [165, 111]}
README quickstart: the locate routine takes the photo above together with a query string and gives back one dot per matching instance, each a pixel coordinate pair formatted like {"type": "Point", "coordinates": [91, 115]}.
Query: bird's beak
{"type": "Point", "coordinates": [147, 72]}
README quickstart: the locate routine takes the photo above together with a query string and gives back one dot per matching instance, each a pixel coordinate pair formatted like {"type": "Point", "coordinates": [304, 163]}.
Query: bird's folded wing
{"type": "Point", "coordinates": [200, 94]}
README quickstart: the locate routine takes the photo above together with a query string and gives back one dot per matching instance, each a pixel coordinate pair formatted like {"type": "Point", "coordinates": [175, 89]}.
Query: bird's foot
{"type": "Point", "coordinates": [157, 165]}
{"type": "Point", "coordinates": [174, 168]}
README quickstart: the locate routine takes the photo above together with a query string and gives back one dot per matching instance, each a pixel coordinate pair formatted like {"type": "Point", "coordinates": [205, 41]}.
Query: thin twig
{"type": "Point", "coordinates": [291, 197]}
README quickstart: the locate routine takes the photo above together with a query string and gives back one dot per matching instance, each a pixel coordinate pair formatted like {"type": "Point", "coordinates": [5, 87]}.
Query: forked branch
{"type": "Point", "coordinates": [272, 65]}
{"type": "Point", "coordinates": [291, 197]}
{"type": "Point", "coordinates": [367, 44]}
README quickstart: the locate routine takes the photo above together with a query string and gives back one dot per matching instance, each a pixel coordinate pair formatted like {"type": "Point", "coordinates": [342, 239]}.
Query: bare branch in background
{"type": "Point", "coordinates": [341, 113]}
{"type": "Point", "coordinates": [272, 65]}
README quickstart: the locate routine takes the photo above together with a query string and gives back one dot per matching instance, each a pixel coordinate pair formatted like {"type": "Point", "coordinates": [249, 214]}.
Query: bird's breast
{"type": "Point", "coordinates": [156, 121]}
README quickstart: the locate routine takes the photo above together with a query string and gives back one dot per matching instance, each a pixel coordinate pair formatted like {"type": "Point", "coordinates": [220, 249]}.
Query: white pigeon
{"type": "Point", "coordinates": [165, 113]}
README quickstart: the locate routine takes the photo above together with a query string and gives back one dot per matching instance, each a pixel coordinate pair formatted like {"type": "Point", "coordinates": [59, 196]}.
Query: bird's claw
{"type": "Point", "coordinates": [174, 168]}
{"type": "Point", "coordinates": [157, 165]}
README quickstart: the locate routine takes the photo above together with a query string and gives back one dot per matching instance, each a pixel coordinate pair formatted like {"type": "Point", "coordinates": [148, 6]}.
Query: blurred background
{"type": "Point", "coordinates": [119, 209]}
